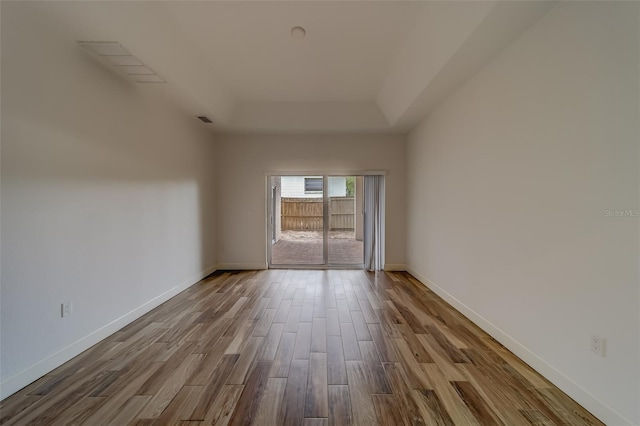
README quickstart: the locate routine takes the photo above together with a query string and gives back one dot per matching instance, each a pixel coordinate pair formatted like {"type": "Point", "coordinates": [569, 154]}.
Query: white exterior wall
{"type": "Point", "coordinates": [293, 187]}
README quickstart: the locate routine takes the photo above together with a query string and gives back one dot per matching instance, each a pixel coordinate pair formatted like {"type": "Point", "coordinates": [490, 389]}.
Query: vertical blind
{"type": "Point", "coordinates": [374, 222]}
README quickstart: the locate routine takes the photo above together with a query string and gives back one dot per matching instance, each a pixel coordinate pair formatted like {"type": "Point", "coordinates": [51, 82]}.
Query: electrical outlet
{"type": "Point", "coordinates": [65, 309]}
{"type": "Point", "coordinates": [598, 344]}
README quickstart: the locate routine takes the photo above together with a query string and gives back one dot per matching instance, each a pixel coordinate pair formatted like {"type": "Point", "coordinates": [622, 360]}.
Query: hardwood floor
{"type": "Point", "coordinates": [293, 347]}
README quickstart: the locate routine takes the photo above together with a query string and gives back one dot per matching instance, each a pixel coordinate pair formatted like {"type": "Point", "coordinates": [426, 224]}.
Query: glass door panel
{"type": "Point", "coordinates": [297, 220]}
{"type": "Point", "coordinates": [345, 221]}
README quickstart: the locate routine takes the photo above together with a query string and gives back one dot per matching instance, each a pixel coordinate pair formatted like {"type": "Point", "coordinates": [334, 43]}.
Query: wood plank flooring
{"type": "Point", "coordinates": [295, 347]}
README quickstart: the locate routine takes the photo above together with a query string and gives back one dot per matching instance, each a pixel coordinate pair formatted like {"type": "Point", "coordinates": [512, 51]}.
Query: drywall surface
{"type": "Point", "coordinates": [441, 28]}
{"type": "Point", "coordinates": [245, 160]}
{"type": "Point", "coordinates": [522, 201]}
{"type": "Point", "coordinates": [107, 198]}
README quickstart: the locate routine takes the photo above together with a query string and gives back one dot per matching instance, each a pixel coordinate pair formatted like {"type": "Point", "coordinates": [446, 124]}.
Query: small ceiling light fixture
{"type": "Point", "coordinates": [112, 53]}
{"type": "Point", "coordinates": [298, 33]}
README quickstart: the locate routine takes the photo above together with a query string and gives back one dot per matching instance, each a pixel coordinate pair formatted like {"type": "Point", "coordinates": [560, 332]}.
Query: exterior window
{"type": "Point", "coordinates": [312, 185]}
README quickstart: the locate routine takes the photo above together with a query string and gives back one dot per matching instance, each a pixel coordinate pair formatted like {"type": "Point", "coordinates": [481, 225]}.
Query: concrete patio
{"type": "Point", "coordinates": [305, 248]}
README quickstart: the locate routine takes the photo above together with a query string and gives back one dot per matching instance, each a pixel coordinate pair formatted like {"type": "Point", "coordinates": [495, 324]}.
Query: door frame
{"type": "Point", "coordinates": [270, 219]}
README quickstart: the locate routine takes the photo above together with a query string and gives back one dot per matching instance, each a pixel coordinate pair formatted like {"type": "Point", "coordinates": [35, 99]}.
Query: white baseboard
{"type": "Point", "coordinates": [241, 266]}
{"type": "Point", "coordinates": [598, 408]}
{"type": "Point", "coordinates": [13, 384]}
{"type": "Point", "coordinates": [395, 267]}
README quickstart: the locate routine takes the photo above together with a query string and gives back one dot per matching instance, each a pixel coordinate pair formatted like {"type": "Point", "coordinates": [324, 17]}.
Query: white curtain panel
{"type": "Point", "coordinates": [374, 222]}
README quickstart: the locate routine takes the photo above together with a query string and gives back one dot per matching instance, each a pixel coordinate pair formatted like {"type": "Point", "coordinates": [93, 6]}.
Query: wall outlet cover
{"type": "Point", "coordinates": [598, 345]}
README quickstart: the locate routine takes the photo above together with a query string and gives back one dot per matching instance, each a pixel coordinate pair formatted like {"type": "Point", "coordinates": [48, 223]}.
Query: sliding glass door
{"type": "Point", "coordinates": [297, 219]}
{"type": "Point", "coordinates": [315, 221]}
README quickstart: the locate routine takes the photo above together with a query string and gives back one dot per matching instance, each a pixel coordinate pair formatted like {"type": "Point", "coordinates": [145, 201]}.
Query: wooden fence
{"type": "Point", "coordinates": [301, 214]}
{"type": "Point", "coordinates": [305, 214]}
{"type": "Point", "coordinates": [342, 213]}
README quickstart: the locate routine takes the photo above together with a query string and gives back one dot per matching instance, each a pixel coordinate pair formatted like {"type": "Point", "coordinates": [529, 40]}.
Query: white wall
{"type": "Point", "coordinates": [509, 181]}
{"type": "Point", "coordinates": [337, 186]}
{"type": "Point", "coordinates": [107, 199]}
{"type": "Point", "coordinates": [293, 187]}
{"type": "Point", "coordinates": [244, 161]}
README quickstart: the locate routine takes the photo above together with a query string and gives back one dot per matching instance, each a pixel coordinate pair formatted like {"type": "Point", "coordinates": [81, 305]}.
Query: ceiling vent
{"type": "Point", "coordinates": [119, 58]}
{"type": "Point", "coordinates": [205, 119]}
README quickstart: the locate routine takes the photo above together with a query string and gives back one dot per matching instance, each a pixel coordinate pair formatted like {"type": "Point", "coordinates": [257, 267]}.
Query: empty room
{"type": "Point", "coordinates": [320, 213]}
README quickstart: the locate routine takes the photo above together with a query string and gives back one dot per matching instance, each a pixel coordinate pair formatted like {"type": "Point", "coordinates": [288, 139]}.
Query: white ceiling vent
{"type": "Point", "coordinates": [112, 53]}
